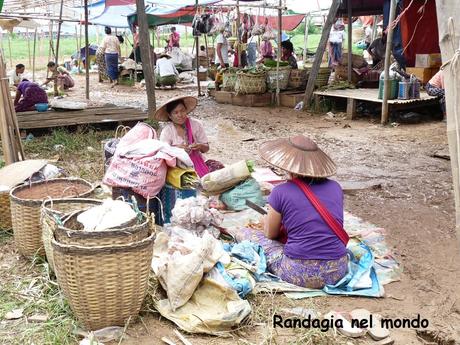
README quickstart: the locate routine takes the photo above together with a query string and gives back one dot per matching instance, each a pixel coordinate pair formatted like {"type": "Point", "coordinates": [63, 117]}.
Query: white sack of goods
{"type": "Point", "coordinates": [226, 178]}
{"type": "Point", "coordinates": [109, 215]}
{"type": "Point", "coordinates": [180, 260]}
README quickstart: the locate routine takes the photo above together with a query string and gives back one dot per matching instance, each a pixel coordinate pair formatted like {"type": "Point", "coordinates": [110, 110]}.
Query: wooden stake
{"type": "Point", "coordinates": [58, 40]}
{"type": "Point", "coordinates": [238, 38]}
{"type": "Point", "coordinates": [350, 43]}
{"type": "Point", "coordinates": [197, 44]}
{"type": "Point", "coordinates": [146, 57]}
{"type": "Point", "coordinates": [28, 47]}
{"type": "Point", "coordinates": [305, 38]}
{"type": "Point", "coordinates": [9, 48]}
{"type": "Point", "coordinates": [86, 52]}
{"type": "Point", "coordinates": [34, 53]}
{"type": "Point", "coordinates": [386, 81]}
{"type": "Point", "coordinates": [278, 59]}
{"type": "Point", "coordinates": [319, 53]}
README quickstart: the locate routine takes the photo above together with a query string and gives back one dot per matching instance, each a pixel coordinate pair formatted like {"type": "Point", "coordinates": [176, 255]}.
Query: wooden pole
{"type": "Point", "coordinates": [238, 38]}
{"type": "Point", "coordinates": [350, 43]}
{"type": "Point", "coordinates": [80, 38]}
{"type": "Point", "coordinates": [9, 49]}
{"type": "Point", "coordinates": [34, 53]}
{"type": "Point", "coordinates": [146, 56]}
{"type": "Point", "coordinates": [278, 58]}
{"type": "Point", "coordinates": [56, 60]}
{"type": "Point", "coordinates": [386, 81]}
{"type": "Point", "coordinates": [206, 47]}
{"type": "Point", "coordinates": [448, 13]}
{"type": "Point", "coordinates": [305, 38]}
{"type": "Point", "coordinates": [197, 45]}
{"type": "Point", "coordinates": [86, 52]}
{"type": "Point", "coordinates": [50, 48]}
{"type": "Point", "coordinates": [319, 52]}
{"type": "Point", "coordinates": [28, 47]}
{"type": "Point", "coordinates": [374, 28]}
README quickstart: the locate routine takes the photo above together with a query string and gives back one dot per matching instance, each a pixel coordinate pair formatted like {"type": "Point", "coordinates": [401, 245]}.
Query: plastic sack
{"type": "Point", "coordinates": [181, 59]}
{"type": "Point", "coordinates": [221, 180]}
{"type": "Point", "coordinates": [235, 199]}
{"type": "Point", "coordinates": [181, 178]}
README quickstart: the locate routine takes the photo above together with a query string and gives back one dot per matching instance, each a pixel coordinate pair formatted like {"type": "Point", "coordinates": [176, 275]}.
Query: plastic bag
{"type": "Point", "coordinates": [223, 179]}
{"type": "Point", "coordinates": [235, 199]}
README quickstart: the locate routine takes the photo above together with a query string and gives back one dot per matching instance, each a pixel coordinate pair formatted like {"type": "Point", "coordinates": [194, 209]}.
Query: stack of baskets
{"type": "Point", "coordinates": [251, 82]}
{"type": "Point", "coordinates": [298, 79]}
{"type": "Point", "coordinates": [282, 76]}
{"type": "Point", "coordinates": [25, 203]}
{"type": "Point", "coordinates": [103, 274]}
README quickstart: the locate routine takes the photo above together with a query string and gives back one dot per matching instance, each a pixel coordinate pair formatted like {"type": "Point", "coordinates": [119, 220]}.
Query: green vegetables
{"type": "Point", "coordinates": [272, 63]}
{"type": "Point", "coordinates": [189, 180]}
{"type": "Point", "coordinates": [251, 165]}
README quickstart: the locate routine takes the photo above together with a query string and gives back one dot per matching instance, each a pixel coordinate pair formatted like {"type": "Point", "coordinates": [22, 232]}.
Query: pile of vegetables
{"type": "Point", "coordinates": [272, 63]}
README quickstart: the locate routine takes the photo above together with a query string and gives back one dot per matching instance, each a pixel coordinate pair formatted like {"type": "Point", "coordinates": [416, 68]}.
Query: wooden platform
{"type": "Point", "coordinates": [371, 95]}
{"type": "Point", "coordinates": [52, 118]}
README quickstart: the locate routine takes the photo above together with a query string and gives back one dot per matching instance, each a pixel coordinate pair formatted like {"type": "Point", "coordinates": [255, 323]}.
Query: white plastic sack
{"type": "Point", "coordinates": [225, 178]}
{"type": "Point", "coordinates": [110, 214]}
{"type": "Point", "coordinates": [181, 59]}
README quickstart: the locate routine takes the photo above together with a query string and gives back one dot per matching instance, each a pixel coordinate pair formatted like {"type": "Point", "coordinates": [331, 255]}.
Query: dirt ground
{"type": "Point", "coordinates": [415, 205]}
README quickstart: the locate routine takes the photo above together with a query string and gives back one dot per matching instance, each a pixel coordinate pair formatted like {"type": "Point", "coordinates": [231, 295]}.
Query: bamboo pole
{"type": "Point", "coordinates": [28, 47]}
{"type": "Point", "coordinates": [86, 52]}
{"type": "Point", "coordinates": [197, 45]}
{"type": "Point", "coordinates": [206, 48]}
{"type": "Point", "coordinates": [386, 81]}
{"type": "Point", "coordinates": [146, 56]}
{"type": "Point", "coordinates": [278, 58]}
{"type": "Point", "coordinates": [350, 43]}
{"type": "Point", "coordinates": [319, 53]}
{"type": "Point", "coordinates": [238, 38]}
{"type": "Point", "coordinates": [58, 41]}
{"type": "Point", "coordinates": [9, 49]}
{"type": "Point", "coordinates": [34, 53]}
{"type": "Point", "coordinates": [305, 38]}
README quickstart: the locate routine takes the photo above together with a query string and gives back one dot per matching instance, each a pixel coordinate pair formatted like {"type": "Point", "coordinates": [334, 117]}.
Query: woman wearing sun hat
{"type": "Point", "coordinates": [303, 237]}
{"type": "Point", "coordinates": [186, 132]}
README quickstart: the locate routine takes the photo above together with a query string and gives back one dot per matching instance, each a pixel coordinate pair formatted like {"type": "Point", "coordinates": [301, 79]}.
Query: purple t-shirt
{"type": "Point", "coordinates": [309, 237]}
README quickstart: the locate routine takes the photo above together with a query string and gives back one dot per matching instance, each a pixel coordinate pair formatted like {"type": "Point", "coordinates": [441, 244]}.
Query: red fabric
{"type": "Point", "coordinates": [367, 20]}
{"type": "Point", "coordinates": [426, 37]}
{"type": "Point", "coordinates": [288, 22]}
{"type": "Point", "coordinates": [324, 213]}
{"type": "Point", "coordinates": [119, 2]}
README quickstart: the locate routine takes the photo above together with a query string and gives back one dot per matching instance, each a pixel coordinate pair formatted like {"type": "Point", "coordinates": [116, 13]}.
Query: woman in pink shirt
{"type": "Point", "coordinates": [435, 87]}
{"type": "Point", "coordinates": [186, 132]}
{"type": "Point", "coordinates": [174, 39]}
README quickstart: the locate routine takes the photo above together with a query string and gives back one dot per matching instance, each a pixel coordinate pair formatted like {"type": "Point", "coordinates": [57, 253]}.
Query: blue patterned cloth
{"type": "Point", "coordinates": [111, 62]}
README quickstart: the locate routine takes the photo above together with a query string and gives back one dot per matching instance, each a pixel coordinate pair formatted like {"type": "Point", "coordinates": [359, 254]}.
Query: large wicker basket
{"type": "Point", "coordinates": [71, 233]}
{"type": "Point", "coordinates": [105, 286]}
{"type": "Point", "coordinates": [26, 201]}
{"type": "Point", "coordinates": [282, 76]}
{"type": "Point", "coordinates": [247, 83]}
{"type": "Point", "coordinates": [229, 80]}
{"type": "Point", "coordinates": [59, 208]}
{"type": "Point", "coordinates": [323, 76]}
{"type": "Point", "coordinates": [298, 79]}
{"type": "Point", "coordinates": [5, 210]}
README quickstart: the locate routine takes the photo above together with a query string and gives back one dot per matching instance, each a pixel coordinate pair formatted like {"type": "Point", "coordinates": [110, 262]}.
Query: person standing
{"type": "Point", "coordinates": [222, 49]}
{"type": "Point", "coordinates": [112, 51]}
{"type": "Point", "coordinates": [174, 39]}
{"type": "Point", "coordinates": [15, 75]}
{"type": "Point", "coordinates": [336, 38]}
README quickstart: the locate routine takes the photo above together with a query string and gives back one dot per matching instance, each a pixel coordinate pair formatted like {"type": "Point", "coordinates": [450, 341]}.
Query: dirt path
{"type": "Point", "coordinates": [415, 204]}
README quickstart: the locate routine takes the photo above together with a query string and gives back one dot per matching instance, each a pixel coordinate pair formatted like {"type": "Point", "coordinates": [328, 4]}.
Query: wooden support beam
{"type": "Point", "coordinates": [350, 42]}
{"type": "Point", "coordinates": [197, 44]}
{"type": "Point", "coordinates": [319, 53]}
{"type": "Point", "coordinates": [86, 52]}
{"type": "Point", "coordinates": [305, 37]}
{"type": "Point", "coordinates": [351, 108]}
{"type": "Point", "coordinates": [58, 40]}
{"type": "Point", "coordinates": [146, 56]}
{"type": "Point", "coordinates": [28, 48]}
{"type": "Point", "coordinates": [34, 54]}
{"type": "Point", "coordinates": [278, 58]}
{"type": "Point", "coordinates": [386, 81]}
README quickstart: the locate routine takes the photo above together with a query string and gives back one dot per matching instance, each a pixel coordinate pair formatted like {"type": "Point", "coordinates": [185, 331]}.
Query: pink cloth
{"type": "Point", "coordinates": [437, 80]}
{"type": "Point", "coordinates": [174, 39]}
{"type": "Point", "coordinates": [266, 49]}
{"type": "Point", "coordinates": [198, 162]}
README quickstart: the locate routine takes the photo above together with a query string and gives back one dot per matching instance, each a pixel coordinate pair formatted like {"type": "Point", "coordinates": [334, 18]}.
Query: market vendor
{"type": "Point", "coordinates": [186, 132]}
{"type": "Point", "coordinates": [221, 58]}
{"type": "Point", "coordinates": [266, 49]}
{"type": "Point", "coordinates": [15, 75]}
{"type": "Point", "coordinates": [314, 254]}
{"type": "Point", "coordinates": [166, 73]}
{"type": "Point", "coordinates": [288, 53]}
{"type": "Point", "coordinates": [27, 95]}
{"type": "Point", "coordinates": [60, 76]}
{"type": "Point", "coordinates": [377, 49]}
{"type": "Point", "coordinates": [435, 87]}
{"type": "Point", "coordinates": [173, 39]}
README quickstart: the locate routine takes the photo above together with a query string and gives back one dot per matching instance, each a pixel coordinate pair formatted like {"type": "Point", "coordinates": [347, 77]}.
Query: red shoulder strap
{"type": "Point", "coordinates": [324, 213]}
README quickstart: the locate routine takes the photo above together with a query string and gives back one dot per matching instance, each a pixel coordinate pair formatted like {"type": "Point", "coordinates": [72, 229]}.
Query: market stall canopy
{"type": "Point", "coordinates": [288, 22]}
{"type": "Point", "coordinates": [10, 24]}
{"type": "Point", "coordinates": [114, 16]}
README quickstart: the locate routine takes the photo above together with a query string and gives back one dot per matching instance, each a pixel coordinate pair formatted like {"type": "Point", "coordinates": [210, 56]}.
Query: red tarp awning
{"type": "Point", "coordinates": [288, 22]}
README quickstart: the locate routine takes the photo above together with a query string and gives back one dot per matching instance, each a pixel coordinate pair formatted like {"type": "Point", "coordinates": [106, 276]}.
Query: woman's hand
{"type": "Point", "coordinates": [203, 148]}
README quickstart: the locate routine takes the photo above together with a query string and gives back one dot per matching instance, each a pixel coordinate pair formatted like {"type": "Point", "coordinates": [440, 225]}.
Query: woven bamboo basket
{"type": "Point", "coordinates": [282, 76]}
{"type": "Point", "coordinates": [72, 233]}
{"type": "Point", "coordinates": [229, 80]}
{"type": "Point", "coordinates": [105, 286]}
{"type": "Point", "coordinates": [5, 210]}
{"type": "Point", "coordinates": [323, 76]}
{"type": "Point", "coordinates": [26, 201]}
{"type": "Point", "coordinates": [59, 208]}
{"type": "Point", "coordinates": [247, 83]}
{"type": "Point", "coordinates": [298, 78]}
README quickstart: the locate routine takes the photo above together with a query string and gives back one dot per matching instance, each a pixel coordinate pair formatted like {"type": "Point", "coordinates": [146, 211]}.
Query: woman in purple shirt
{"type": "Point", "coordinates": [27, 95]}
{"type": "Point", "coordinates": [312, 255]}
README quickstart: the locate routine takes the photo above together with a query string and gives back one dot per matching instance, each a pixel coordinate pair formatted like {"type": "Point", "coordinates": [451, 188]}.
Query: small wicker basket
{"type": "Point", "coordinates": [251, 83]}
{"type": "Point", "coordinates": [298, 78]}
{"type": "Point", "coordinates": [229, 80]}
{"type": "Point", "coordinates": [26, 202]}
{"type": "Point", "coordinates": [282, 76]}
{"type": "Point", "coordinates": [60, 207]}
{"type": "Point", "coordinates": [5, 210]}
{"type": "Point", "coordinates": [105, 286]}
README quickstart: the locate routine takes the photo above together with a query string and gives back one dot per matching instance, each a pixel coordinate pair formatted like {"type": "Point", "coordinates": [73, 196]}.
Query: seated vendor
{"type": "Point", "coordinates": [377, 49]}
{"type": "Point", "coordinates": [313, 254]}
{"type": "Point", "coordinates": [15, 75]}
{"type": "Point", "coordinates": [60, 76]}
{"type": "Point", "coordinates": [27, 95]}
{"type": "Point", "coordinates": [166, 73]}
{"type": "Point", "coordinates": [288, 54]}
{"type": "Point", "coordinates": [435, 87]}
{"type": "Point", "coordinates": [186, 132]}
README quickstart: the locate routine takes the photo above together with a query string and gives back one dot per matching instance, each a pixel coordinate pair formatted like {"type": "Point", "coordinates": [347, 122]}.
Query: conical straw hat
{"type": "Point", "coordinates": [298, 155]}
{"type": "Point", "coordinates": [190, 103]}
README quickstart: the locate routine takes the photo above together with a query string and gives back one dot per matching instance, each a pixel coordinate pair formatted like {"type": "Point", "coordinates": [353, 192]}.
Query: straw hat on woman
{"type": "Point", "coordinates": [300, 246]}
